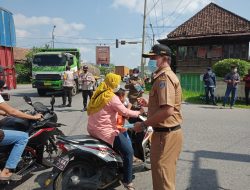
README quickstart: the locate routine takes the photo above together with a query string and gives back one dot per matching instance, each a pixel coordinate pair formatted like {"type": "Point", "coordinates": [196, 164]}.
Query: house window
{"type": "Point", "coordinates": [244, 53]}
{"type": "Point", "coordinates": [182, 52]}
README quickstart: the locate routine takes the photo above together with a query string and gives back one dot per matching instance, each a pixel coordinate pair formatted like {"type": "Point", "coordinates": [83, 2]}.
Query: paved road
{"type": "Point", "coordinates": [215, 156]}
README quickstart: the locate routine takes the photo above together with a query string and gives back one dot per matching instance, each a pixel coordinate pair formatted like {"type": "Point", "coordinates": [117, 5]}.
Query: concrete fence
{"type": "Point", "coordinates": [221, 89]}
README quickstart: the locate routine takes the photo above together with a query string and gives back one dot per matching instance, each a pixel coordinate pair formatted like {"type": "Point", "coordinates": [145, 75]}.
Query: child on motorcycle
{"type": "Point", "coordinates": [121, 119]}
{"type": "Point", "coordinates": [121, 93]}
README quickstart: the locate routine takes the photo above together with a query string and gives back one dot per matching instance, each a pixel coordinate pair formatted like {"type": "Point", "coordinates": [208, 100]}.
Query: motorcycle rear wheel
{"type": "Point", "coordinates": [73, 173]}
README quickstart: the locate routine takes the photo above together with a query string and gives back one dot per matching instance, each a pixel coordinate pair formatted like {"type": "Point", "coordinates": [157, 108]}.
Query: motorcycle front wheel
{"type": "Point", "coordinates": [51, 150]}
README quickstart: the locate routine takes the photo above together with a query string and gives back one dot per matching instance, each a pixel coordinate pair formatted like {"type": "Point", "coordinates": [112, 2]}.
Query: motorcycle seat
{"type": "Point", "coordinates": [13, 123]}
{"type": "Point", "coordinates": [82, 139]}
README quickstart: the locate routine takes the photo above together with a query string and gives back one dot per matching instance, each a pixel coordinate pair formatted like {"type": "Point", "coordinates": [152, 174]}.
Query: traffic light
{"type": "Point", "coordinates": [123, 42]}
{"type": "Point", "coordinates": [117, 43]}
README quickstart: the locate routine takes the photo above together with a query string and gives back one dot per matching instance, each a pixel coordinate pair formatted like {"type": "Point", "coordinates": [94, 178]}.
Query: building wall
{"type": "Point", "coordinates": [195, 59]}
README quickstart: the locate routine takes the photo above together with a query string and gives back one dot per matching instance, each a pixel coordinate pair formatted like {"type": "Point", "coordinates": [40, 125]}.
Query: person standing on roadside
{"type": "Point", "coordinates": [68, 84]}
{"type": "Point", "coordinates": [135, 86]}
{"type": "Point", "coordinates": [164, 115]}
{"type": "Point", "coordinates": [88, 82]}
{"type": "Point", "coordinates": [209, 79]}
{"type": "Point", "coordinates": [246, 79]}
{"type": "Point", "coordinates": [232, 79]}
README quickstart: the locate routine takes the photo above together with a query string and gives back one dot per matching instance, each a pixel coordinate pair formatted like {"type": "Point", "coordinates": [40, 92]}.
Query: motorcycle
{"type": "Point", "coordinates": [41, 148]}
{"type": "Point", "coordinates": [88, 163]}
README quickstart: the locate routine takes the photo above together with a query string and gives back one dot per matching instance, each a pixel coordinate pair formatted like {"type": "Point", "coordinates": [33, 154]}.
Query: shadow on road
{"type": "Point", "coordinates": [207, 179]}
{"type": "Point", "coordinates": [209, 107]}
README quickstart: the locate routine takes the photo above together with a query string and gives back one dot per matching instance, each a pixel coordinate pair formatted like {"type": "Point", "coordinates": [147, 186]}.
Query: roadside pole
{"type": "Point", "coordinates": [143, 39]}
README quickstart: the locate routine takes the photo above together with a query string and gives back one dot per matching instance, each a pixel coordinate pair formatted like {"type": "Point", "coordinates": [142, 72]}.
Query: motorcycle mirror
{"type": "Point", "coordinates": [27, 100]}
{"type": "Point", "coordinates": [52, 102]}
{"type": "Point", "coordinates": [6, 96]}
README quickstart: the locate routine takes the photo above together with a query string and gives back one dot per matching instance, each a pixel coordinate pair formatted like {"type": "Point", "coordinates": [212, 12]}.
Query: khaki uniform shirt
{"type": "Point", "coordinates": [166, 90]}
{"type": "Point", "coordinates": [88, 81]}
{"type": "Point", "coordinates": [133, 93]}
{"type": "Point", "coordinates": [68, 79]}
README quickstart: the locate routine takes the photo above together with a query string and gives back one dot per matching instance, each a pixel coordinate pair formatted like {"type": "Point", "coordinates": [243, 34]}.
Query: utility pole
{"type": "Point", "coordinates": [143, 38]}
{"type": "Point", "coordinates": [153, 33]}
{"type": "Point", "coordinates": [53, 37]}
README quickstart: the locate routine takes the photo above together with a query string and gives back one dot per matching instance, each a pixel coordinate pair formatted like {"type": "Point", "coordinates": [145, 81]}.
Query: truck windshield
{"type": "Point", "coordinates": [50, 60]}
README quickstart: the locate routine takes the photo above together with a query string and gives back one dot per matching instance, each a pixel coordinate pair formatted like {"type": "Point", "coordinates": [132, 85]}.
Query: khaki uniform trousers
{"type": "Point", "coordinates": [165, 151]}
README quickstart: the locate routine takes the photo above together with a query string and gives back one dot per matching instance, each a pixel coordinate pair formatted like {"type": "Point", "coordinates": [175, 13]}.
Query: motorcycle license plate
{"type": "Point", "coordinates": [61, 163]}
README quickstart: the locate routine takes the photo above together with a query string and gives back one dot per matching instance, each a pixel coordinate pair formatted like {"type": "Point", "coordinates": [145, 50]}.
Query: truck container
{"type": "Point", "coordinates": [7, 42]}
{"type": "Point", "coordinates": [122, 71]}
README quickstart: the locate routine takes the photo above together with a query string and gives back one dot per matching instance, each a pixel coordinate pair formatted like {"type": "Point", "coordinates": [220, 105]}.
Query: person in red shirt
{"type": "Point", "coordinates": [246, 79]}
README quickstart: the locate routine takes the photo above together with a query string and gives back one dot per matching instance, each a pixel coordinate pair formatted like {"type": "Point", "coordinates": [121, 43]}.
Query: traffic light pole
{"type": "Point", "coordinates": [143, 39]}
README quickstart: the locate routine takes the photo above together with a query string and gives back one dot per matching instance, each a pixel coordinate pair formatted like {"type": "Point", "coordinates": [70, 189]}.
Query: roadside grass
{"type": "Point", "coordinates": [199, 98]}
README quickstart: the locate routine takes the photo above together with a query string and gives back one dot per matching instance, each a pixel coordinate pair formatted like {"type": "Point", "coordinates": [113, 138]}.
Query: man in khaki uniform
{"type": "Point", "coordinates": [165, 117]}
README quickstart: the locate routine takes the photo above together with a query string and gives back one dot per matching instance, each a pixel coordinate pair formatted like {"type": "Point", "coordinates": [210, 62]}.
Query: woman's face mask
{"type": "Point", "coordinates": [117, 88]}
{"type": "Point", "coordinates": [152, 65]}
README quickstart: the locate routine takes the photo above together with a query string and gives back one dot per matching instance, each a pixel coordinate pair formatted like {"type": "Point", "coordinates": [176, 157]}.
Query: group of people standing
{"type": "Point", "coordinates": [87, 84]}
{"type": "Point", "coordinates": [232, 80]}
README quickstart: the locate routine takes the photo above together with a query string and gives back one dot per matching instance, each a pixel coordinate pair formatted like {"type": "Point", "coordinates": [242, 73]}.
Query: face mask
{"type": "Point", "coordinates": [135, 74]}
{"type": "Point", "coordinates": [209, 72]}
{"type": "Point", "coordinates": [152, 65]}
{"type": "Point", "coordinates": [235, 70]}
{"type": "Point", "coordinates": [117, 88]}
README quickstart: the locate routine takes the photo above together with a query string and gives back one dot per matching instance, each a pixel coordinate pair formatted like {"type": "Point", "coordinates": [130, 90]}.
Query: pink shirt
{"type": "Point", "coordinates": [102, 125]}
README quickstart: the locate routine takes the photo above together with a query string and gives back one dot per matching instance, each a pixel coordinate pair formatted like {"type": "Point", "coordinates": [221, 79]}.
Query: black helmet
{"type": "Point", "coordinates": [85, 67]}
{"type": "Point", "coordinates": [136, 70]}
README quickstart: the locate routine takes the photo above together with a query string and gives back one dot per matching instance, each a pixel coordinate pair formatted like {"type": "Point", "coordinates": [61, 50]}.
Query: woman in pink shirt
{"type": "Point", "coordinates": [102, 110]}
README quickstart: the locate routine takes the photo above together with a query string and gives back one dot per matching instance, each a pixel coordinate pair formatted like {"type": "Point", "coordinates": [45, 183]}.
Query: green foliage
{"type": "Point", "coordinates": [24, 70]}
{"type": "Point", "coordinates": [221, 68]}
{"type": "Point", "coordinates": [105, 70]}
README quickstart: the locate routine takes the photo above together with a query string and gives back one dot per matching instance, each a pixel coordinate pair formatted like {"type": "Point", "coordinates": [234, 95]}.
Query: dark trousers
{"type": "Point", "coordinates": [123, 146]}
{"type": "Point", "coordinates": [247, 92]}
{"type": "Point", "coordinates": [67, 92]}
{"type": "Point", "coordinates": [85, 95]}
{"type": "Point", "coordinates": [233, 92]}
{"type": "Point", "coordinates": [210, 90]}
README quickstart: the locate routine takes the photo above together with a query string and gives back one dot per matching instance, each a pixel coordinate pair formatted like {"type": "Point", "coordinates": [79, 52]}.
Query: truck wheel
{"type": "Point", "coordinates": [41, 92]}
{"type": "Point", "coordinates": [74, 90]}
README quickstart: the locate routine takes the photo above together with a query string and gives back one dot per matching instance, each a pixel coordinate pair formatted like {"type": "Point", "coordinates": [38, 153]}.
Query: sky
{"type": "Point", "coordinates": [84, 24]}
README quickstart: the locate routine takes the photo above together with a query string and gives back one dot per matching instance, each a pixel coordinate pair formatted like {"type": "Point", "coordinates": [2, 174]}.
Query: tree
{"type": "Point", "coordinates": [24, 70]}
{"type": "Point", "coordinates": [105, 70]}
{"type": "Point", "coordinates": [221, 68]}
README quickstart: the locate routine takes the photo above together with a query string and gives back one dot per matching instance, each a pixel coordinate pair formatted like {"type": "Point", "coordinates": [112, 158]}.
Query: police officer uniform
{"type": "Point", "coordinates": [167, 137]}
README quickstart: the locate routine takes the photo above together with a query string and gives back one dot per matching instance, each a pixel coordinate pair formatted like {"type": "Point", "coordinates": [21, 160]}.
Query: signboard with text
{"type": "Point", "coordinates": [102, 55]}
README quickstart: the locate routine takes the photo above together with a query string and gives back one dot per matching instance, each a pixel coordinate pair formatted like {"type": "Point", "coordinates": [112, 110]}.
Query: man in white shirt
{"type": "Point", "coordinates": [9, 137]}
{"type": "Point", "coordinates": [68, 84]}
{"type": "Point", "coordinates": [88, 82]}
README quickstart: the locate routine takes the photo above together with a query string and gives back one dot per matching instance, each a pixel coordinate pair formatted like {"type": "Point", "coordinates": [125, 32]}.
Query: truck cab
{"type": "Point", "coordinates": [48, 68]}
